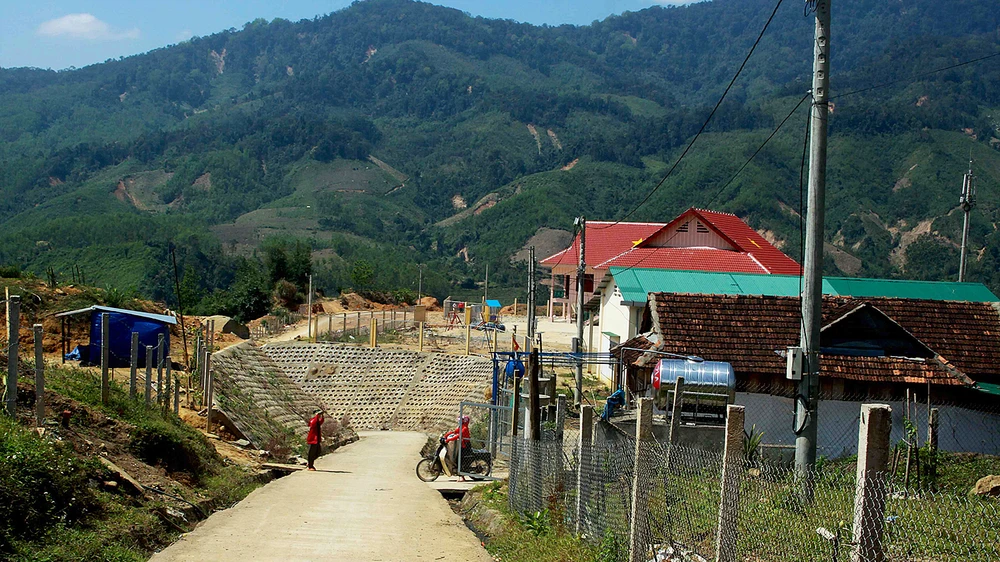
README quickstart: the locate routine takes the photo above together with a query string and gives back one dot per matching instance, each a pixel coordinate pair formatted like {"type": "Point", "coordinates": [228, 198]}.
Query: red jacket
{"type": "Point", "coordinates": [314, 430]}
{"type": "Point", "coordinates": [462, 430]}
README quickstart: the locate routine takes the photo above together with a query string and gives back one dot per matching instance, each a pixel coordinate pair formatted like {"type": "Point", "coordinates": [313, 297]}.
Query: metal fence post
{"type": "Point", "coordinates": [584, 454]}
{"type": "Point", "coordinates": [729, 502]}
{"type": "Point", "coordinates": [870, 489]}
{"type": "Point", "coordinates": [373, 332]}
{"type": "Point", "coordinates": [675, 422]}
{"type": "Point", "coordinates": [932, 446]}
{"type": "Point", "coordinates": [39, 377]}
{"type": "Point", "coordinates": [640, 492]}
{"type": "Point", "coordinates": [133, 365]}
{"type": "Point", "coordinates": [105, 358]}
{"type": "Point", "coordinates": [149, 373]}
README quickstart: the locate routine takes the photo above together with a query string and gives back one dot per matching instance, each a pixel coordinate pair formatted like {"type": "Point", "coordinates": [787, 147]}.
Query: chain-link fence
{"type": "Point", "coordinates": [645, 499]}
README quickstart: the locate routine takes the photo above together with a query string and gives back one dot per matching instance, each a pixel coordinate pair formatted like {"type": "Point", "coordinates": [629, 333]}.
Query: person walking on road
{"type": "Point", "coordinates": [314, 438]}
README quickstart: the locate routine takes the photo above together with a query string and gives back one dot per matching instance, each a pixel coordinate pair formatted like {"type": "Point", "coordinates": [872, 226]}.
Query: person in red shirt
{"type": "Point", "coordinates": [314, 438]}
{"type": "Point", "coordinates": [452, 437]}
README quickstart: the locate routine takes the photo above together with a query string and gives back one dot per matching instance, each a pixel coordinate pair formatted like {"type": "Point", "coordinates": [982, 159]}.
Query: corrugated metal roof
{"type": "Point", "coordinates": [905, 289]}
{"type": "Point", "coordinates": [636, 283]}
{"type": "Point", "coordinates": [97, 308]}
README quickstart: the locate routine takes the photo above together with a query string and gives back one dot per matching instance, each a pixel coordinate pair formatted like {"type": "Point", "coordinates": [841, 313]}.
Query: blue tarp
{"type": "Point", "coordinates": [121, 325]}
{"type": "Point", "coordinates": [493, 304]}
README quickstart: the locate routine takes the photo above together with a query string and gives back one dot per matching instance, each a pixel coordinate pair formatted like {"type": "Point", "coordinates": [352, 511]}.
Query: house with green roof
{"type": "Point", "coordinates": [621, 298]}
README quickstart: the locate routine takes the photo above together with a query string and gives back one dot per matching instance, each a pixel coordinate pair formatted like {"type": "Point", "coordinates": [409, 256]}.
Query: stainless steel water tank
{"type": "Point", "coordinates": [709, 381]}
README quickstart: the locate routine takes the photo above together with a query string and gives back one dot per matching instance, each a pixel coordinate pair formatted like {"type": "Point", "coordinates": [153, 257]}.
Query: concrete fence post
{"type": "Point", "coordinates": [105, 358]}
{"type": "Point", "coordinates": [870, 488]}
{"type": "Point", "coordinates": [329, 327]}
{"type": "Point", "coordinates": [166, 384]}
{"type": "Point", "coordinates": [640, 491]}
{"type": "Point", "coordinates": [560, 420]}
{"type": "Point", "coordinates": [177, 396]}
{"type": "Point", "coordinates": [133, 365]}
{"type": "Point", "coordinates": [149, 373]}
{"type": "Point", "coordinates": [159, 369]}
{"type": "Point", "coordinates": [39, 377]}
{"type": "Point", "coordinates": [729, 502]}
{"type": "Point", "coordinates": [13, 329]}
{"type": "Point", "coordinates": [468, 339]}
{"type": "Point", "coordinates": [210, 392]}
{"type": "Point", "coordinates": [585, 448]}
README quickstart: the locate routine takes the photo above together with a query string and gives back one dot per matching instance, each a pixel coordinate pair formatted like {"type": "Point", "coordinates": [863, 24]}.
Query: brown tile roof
{"type": "Point", "coordinates": [629, 356]}
{"type": "Point", "coordinates": [746, 331]}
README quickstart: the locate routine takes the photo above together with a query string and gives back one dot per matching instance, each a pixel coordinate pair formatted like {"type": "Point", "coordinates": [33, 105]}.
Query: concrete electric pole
{"type": "Point", "coordinates": [812, 293]}
{"type": "Point", "coordinates": [581, 275]}
{"type": "Point", "coordinates": [968, 201]}
{"type": "Point", "coordinates": [531, 294]}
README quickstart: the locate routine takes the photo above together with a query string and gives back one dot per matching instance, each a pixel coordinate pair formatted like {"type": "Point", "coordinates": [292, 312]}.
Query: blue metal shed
{"type": "Point", "coordinates": [121, 324]}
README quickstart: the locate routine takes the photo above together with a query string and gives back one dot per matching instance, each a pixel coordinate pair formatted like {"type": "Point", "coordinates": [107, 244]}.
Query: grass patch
{"type": "Point", "coordinates": [538, 537]}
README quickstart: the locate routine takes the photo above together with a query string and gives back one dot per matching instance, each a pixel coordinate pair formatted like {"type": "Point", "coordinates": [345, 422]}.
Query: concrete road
{"type": "Point", "coordinates": [363, 503]}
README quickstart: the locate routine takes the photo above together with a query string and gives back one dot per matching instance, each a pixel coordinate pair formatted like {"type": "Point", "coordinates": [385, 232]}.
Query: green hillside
{"type": "Point", "coordinates": [395, 133]}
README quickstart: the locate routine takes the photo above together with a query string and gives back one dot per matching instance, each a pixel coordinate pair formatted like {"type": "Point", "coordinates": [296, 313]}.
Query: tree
{"type": "Point", "coordinates": [362, 274]}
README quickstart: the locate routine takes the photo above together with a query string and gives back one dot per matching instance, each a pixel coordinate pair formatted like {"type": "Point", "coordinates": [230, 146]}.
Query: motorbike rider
{"type": "Point", "coordinates": [449, 453]}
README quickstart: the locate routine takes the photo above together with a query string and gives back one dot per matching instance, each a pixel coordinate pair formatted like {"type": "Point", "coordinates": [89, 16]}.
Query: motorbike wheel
{"type": "Point", "coordinates": [428, 470]}
{"type": "Point", "coordinates": [480, 467]}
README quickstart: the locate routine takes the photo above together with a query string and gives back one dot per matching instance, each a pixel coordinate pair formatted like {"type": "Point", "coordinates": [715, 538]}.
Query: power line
{"type": "Point", "coordinates": [916, 76]}
{"type": "Point", "coordinates": [759, 148]}
{"type": "Point", "coordinates": [707, 120]}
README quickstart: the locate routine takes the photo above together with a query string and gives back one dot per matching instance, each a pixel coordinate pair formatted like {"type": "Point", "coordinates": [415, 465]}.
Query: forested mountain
{"type": "Point", "coordinates": [393, 133]}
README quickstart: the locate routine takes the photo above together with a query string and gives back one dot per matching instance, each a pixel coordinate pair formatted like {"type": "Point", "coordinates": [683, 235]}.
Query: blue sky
{"type": "Point", "coordinates": [62, 33]}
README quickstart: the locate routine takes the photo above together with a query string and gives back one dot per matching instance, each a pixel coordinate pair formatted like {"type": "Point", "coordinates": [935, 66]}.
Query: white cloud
{"type": "Point", "coordinates": [183, 35]}
{"type": "Point", "coordinates": [84, 26]}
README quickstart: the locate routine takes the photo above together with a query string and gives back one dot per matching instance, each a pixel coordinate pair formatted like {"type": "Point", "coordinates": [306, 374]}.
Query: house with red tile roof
{"type": "Point", "coordinates": [697, 240]}
{"type": "Point", "coordinates": [874, 347]}
{"type": "Point", "coordinates": [889, 350]}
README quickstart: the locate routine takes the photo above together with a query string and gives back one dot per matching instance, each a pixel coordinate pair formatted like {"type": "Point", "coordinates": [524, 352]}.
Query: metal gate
{"type": "Point", "coordinates": [489, 426]}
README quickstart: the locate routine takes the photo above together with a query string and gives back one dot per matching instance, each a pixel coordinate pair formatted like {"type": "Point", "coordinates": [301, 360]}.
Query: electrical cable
{"type": "Point", "coordinates": [916, 76]}
{"type": "Point", "coordinates": [704, 125]}
{"type": "Point", "coordinates": [759, 148]}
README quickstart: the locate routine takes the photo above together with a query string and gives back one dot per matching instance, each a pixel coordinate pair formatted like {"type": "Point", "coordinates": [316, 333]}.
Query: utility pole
{"type": "Point", "coordinates": [581, 274]}
{"type": "Point", "coordinates": [486, 286]}
{"type": "Point", "coordinates": [531, 294]}
{"type": "Point", "coordinates": [420, 282]}
{"type": "Point", "coordinates": [967, 201]}
{"type": "Point", "coordinates": [812, 293]}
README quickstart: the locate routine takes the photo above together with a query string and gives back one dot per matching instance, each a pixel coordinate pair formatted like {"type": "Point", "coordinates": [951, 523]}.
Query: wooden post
{"type": "Point", "coordinates": [675, 411]}
{"type": "Point", "coordinates": [133, 365]}
{"type": "Point", "coordinates": [932, 446]}
{"type": "Point", "coordinates": [159, 369]}
{"type": "Point", "coordinates": [39, 377]}
{"type": "Point", "coordinates": [638, 531]}
{"type": "Point", "coordinates": [13, 330]}
{"type": "Point", "coordinates": [729, 502]}
{"type": "Point", "coordinates": [177, 396]}
{"type": "Point", "coordinates": [420, 337]}
{"type": "Point", "coordinates": [871, 487]}
{"type": "Point", "coordinates": [373, 332]}
{"type": "Point", "coordinates": [344, 333]}
{"type": "Point", "coordinates": [149, 373]}
{"type": "Point", "coordinates": [105, 358]}
{"type": "Point", "coordinates": [468, 339]}
{"type": "Point", "coordinates": [585, 449]}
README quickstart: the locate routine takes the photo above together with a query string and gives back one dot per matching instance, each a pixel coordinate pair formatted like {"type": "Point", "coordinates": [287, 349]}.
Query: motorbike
{"type": "Point", "coordinates": [475, 462]}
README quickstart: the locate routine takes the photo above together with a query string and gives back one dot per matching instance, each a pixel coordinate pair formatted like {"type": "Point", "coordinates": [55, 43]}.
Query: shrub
{"type": "Point", "coordinates": [40, 485]}
{"type": "Point", "coordinates": [176, 448]}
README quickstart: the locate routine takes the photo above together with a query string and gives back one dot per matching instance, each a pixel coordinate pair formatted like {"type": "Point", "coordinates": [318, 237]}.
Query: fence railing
{"type": "Point", "coordinates": [643, 498]}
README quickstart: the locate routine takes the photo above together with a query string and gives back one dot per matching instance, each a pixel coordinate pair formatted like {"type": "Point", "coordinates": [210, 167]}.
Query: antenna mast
{"type": "Point", "coordinates": [967, 202]}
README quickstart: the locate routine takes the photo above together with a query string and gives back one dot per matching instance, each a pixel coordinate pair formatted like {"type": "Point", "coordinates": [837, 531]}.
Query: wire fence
{"type": "Point", "coordinates": [657, 501]}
